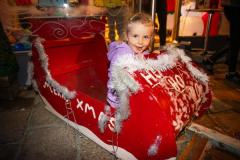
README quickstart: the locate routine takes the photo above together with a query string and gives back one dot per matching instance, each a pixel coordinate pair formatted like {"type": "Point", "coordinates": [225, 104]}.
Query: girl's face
{"type": "Point", "coordinates": [139, 37]}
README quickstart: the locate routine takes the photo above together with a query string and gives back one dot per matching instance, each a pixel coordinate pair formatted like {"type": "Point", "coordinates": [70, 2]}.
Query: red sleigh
{"type": "Point", "coordinates": [71, 76]}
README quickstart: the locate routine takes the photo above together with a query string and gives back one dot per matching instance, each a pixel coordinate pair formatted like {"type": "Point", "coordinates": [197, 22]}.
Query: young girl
{"type": "Point", "coordinates": [139, 32]}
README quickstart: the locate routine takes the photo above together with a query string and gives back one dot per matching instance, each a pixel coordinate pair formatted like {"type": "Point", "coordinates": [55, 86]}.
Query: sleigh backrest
{"type": "Point", "coordinates": [67, 55]}
{"type": "Point", "coordinates": [72, 43]}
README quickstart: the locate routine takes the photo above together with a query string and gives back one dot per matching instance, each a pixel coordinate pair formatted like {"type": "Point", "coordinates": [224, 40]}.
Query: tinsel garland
{"type": "Point", "coordinates": [44, 64]}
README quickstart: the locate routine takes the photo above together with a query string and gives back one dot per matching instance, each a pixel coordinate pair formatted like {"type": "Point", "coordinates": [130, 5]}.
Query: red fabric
{"type": "Point", "coordinates": [171, 5]}
{"type": "Point", "coordinates": [214, 27]}
{"type": "Point", "coordinates": [23, 2]}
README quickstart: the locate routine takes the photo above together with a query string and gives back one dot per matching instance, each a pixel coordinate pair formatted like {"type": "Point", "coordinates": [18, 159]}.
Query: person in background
{"type": "Point", "coordinates": [116, 13]}
{"type": "Point", "coordinates": [161, 9]}
{"type": "Point", "coordinates": [209, 62]}
{"type": "Point", "coordinates": [8, 63]}
{"type": "Point", "coordinates": [232, 13]}
{"type": "Point", "coordinates": [139, 33]}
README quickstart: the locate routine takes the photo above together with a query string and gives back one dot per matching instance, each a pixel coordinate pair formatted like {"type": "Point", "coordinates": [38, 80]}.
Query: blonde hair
{"type": "Point", "coordinates": [140, 18]}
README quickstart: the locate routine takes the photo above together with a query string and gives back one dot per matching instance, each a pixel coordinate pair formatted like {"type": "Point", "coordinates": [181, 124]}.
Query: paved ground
{"type": "Point", "coordinates": [29, 132]}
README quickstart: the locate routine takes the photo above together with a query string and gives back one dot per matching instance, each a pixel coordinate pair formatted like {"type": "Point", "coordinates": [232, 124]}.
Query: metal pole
{"type": "Point", "coordinates": [153, 10]}
{"type": "Point", "coordinates": [177, 13]}
{"type": "Point", "coordinates": [207, 32]}
{"type": "Point", "coordinates": [140, 6]}
{"type": "Point", "coordinates": [153, 20]}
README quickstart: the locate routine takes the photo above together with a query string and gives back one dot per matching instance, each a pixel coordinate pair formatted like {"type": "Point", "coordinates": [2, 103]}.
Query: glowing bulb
{"type": "Point", "coordinates": [65, 5]}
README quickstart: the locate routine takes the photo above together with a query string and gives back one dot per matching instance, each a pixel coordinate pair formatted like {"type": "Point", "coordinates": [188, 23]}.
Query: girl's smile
{"type": "Point", "coordinates": [139, 37]}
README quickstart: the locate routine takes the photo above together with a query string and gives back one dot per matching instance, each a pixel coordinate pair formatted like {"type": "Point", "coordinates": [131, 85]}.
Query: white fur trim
{"type": "Point", "coordinates": [104, 118]}
{"type": "Point", "coordinates": [44, 63]}
{"type": "Point", "coordinates": [163, 62]}
{"type": "Point", "coordinates": [29, 74]}
{"type": "Point", "coordinates": [153, 149]}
